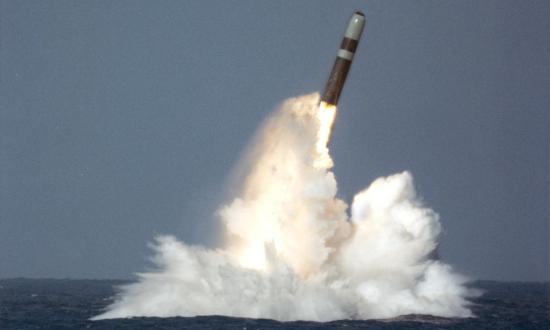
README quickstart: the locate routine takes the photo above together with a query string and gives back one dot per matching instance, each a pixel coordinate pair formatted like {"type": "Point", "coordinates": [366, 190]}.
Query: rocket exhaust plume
{"type": "Point", "coordinates": [292, 250]}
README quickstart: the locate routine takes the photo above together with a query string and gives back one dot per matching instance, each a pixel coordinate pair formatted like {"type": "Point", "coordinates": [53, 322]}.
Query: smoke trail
{"type": "Point", "coordinates": [291, 251]}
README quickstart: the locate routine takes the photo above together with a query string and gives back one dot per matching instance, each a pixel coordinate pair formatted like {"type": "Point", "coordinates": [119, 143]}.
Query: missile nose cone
{"type": "Point", "coordinates": [358, 12]}
{"type": "Point", "coordinates": [355, 26]}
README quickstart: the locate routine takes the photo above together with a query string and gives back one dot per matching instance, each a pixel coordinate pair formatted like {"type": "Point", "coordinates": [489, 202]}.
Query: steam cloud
{"type": "Point", "coordinates": [293, 253]}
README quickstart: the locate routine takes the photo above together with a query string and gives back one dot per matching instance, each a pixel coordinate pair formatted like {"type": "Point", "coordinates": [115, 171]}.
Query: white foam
{"type": "Point", "coordinates": [292, 253]}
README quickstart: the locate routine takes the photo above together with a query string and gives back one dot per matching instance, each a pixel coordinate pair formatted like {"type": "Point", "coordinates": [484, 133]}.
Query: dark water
{"type": "Point", "coordinates": [67, 304]}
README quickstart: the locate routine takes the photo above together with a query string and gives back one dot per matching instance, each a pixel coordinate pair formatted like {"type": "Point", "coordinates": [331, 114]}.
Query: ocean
{"type": "Point", "coordinates": [68, 304]}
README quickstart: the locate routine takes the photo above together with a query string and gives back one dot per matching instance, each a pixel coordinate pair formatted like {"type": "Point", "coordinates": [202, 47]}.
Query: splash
{"type": "Point", "coordinates": [293, 253]}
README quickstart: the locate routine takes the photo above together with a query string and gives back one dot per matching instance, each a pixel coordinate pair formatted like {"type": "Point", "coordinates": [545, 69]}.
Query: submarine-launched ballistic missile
{"type": "Point", "coordinates": [340, 70]}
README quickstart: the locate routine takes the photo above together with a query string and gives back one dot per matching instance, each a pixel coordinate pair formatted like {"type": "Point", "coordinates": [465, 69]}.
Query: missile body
{"type": "Point", "coordinates": [340, 70]}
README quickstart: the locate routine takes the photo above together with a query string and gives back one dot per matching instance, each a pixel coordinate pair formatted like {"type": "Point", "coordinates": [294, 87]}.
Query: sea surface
{"type": "Point", "coordinates": [68, 304]}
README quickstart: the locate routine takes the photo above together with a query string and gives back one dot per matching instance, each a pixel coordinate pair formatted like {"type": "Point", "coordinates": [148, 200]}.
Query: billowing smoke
{"type": "Point", "coordinates": [293, 253]}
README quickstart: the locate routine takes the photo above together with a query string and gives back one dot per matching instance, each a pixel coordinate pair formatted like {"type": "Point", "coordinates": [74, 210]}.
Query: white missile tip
{"type": "Point", "coordinates": [355, 26]}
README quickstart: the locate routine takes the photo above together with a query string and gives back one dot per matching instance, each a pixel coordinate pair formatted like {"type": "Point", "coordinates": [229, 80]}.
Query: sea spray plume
{"type": "Point", "coordinates": [291, 252]}
{"type": "Point", "coordinates": [388, 254]}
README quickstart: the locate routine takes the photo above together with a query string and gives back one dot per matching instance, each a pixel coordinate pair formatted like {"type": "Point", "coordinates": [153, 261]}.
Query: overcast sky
{"type": "Point", "coordinates": [121, 120]}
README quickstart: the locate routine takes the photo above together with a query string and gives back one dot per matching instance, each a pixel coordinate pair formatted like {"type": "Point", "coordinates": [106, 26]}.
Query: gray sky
{"type": "Point", "coordinates": [121, 120]}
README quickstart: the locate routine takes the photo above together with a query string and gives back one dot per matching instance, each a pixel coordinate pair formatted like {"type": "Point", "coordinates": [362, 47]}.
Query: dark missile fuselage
{"type": "Point", "coordinates": [340, 69]}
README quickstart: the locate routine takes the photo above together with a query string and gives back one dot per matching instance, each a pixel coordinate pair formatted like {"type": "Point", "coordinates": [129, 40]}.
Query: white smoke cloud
{"type": "Point", "coordinates": [292, 253]}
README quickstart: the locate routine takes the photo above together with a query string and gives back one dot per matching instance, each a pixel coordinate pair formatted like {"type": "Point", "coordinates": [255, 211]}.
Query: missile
{"type": "Point", "coordinates": [340, 70]}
